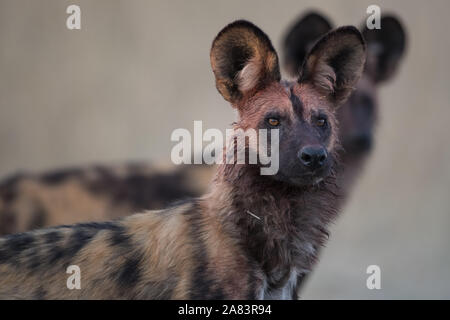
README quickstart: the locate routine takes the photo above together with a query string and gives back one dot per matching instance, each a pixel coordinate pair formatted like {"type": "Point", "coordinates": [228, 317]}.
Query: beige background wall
{"type": "Point", "coordinates": [116, 89]}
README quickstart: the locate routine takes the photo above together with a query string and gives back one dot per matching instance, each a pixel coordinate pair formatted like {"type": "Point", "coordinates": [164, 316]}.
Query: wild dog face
{"type": "Point", "coordinates": [247, 73]}
{"type": "Point", "coordinates": [385, 49]}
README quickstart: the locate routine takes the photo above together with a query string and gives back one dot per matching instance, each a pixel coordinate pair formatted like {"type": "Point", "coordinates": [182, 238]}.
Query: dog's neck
{"type": "Point", "coordinates": [279, 225]}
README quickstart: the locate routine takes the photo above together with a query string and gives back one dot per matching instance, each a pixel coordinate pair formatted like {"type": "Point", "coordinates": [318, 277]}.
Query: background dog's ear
{"type": "Point", "coordinates": [243, 60]}
{"type": "Point", "coordinates": [300, 39]}
{"type": "Point", "coordinates": [385, 48]}
{"type": "Point", "coordinates": [335, 63]}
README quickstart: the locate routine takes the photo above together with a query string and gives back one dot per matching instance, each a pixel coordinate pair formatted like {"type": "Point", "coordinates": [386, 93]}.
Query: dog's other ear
{"type": "Point", "coordinates": [300, 39]}
{"type": "Point", "coordinates": [243, 60]}
{"type": "Point", "coordinates": [335, 63]}
{"type": "Point", "coordinates": [385, 48]}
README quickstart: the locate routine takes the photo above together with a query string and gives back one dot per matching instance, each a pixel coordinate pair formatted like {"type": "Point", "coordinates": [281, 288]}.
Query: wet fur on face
{"type": "Point", "coordinates": [329, 73]}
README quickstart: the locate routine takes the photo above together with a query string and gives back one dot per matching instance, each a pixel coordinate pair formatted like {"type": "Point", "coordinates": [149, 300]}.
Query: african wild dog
{"type": "Point", "coordinates": [99, 193]}
{"type": "Point", "coordinates": [358, 116]}
{"type": "Point", "coordinates": [252, 236]}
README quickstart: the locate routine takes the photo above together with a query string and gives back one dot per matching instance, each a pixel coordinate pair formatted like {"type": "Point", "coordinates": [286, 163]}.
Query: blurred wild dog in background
{"type": "Point", "coordinates": [95, 193]}
{"type": "Point", "coordinates": [253, 236]}
{"type": "Point", "coordinates": [358, 116]}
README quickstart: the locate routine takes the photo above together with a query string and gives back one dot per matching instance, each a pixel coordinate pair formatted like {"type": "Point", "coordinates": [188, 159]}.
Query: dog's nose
{"type": "Point", "coordinates": [313, 156]}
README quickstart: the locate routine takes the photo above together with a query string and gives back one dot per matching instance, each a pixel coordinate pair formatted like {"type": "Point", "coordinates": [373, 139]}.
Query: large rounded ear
{"type": "Point", "coordinates": [243, 60]}
{"type": "Point", "coordinates": [385, 48]}
{"type": "Point", "coordinates": [335, 63]}
{"type": "Point", "coordinates": [300, 39]}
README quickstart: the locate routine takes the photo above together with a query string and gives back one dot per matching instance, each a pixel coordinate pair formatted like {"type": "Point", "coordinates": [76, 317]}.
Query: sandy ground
{"type": "Point", "coordinates": [117, 88]}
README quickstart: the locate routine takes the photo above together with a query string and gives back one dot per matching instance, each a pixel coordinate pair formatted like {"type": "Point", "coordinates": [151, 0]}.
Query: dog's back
{"type": "Point", "coordinates": [95, 193]}
{"type": "Point", "coordinates": [154, 255]}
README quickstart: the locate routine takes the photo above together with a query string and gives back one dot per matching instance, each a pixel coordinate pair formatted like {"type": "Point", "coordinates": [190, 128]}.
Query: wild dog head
{"type": "Point", "coordinates": [247, 73]}
{"type": "Point", "coordinates": [385, 49]}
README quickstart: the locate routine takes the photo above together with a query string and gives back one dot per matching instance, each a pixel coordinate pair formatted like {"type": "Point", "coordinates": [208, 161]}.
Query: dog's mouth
{"type": "Point", "coordinates": [306, 179]}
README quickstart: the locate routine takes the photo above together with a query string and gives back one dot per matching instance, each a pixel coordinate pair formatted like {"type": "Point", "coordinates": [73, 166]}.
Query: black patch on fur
{"type": "Point", "coordinates": [19, 242]}
{"type": "Point", "coordinates": [120, 237]}
{"type": "Point", "coordinates": [33, 259]}
{"type": "Point", "coordinates": [297, 104]}
{"type": "Point", "coordinates": [81, 235]}
{"type": "Point", "coordinates": [129, 273]}
{"type": "Point", "coordinates": [78, 240]}
{"type": "Point", "coordinates": [253, 281]}
{"type": "Point", "coordinates": [108, 225]}
{"type": "Point", "coordinates": [13, 246]}
{"type": "Point", "coordinates": [5, 254]}
{"type": "Point", "coordinates": [55, 254]}
{"type": "Point", "coordinates": [202, 285]}
{"type": "Point", "coordinates": [60, 176]}
{"type": "Point", "coordinates": [52, 237]}
{"type": "Point", "coordinates": [161, 187]}
{"type": "Point", "coordinates": [142, 191]}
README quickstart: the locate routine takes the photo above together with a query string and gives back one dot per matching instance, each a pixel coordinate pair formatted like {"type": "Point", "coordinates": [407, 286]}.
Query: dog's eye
{"type": "Point", "coordinates": [321, 122]}
{"type": "Point", "coordinates": [274, 122]}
